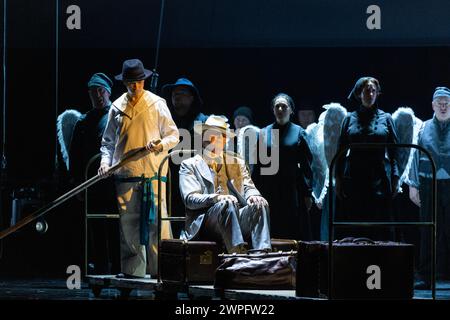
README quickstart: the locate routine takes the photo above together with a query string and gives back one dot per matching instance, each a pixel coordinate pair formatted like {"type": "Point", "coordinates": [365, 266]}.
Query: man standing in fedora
{"type": "Point", "coordinates": [138, 118]}
{"type": "Point", "coordinates": [222, 203]}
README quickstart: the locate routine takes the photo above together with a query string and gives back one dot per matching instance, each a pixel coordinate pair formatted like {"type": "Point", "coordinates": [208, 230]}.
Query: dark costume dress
{"type": "Point", "coordinates": [285, 191]}
{"type": "Point", "coordinates": [103, 234]}
{"type": "Point", "coordinates": [366, 174]}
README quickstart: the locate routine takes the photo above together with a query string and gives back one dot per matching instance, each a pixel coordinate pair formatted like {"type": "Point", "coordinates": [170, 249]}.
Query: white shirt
{"type": "Point", "coordinates": [133, 127]}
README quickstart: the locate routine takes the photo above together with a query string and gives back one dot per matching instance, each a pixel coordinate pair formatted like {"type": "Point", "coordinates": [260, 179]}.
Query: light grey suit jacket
{"type": "Point", "coordinates": [197, 188]}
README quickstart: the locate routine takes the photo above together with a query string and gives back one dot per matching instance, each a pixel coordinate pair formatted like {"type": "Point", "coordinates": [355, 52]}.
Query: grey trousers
{"type": "Point", "coordinates": [226, 223]}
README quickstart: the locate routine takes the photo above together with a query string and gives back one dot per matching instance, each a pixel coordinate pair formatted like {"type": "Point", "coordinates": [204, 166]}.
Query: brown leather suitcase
{"type": "Point", "coordinates": [257, 270]}
{"type": "Point", "coordinates": [188, 262]}
{"type": "Point", "coordinates": [284, 245]}
{"type": "Point", "coordinates": [363, 269]}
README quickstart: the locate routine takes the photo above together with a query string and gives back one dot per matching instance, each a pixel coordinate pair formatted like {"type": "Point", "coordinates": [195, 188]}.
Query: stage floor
{"type": "Point", "coordinates": [56, 289]}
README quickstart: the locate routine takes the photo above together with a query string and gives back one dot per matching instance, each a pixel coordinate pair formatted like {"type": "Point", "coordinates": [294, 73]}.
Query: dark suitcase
{"type": "Point", "coordinates": [261, 271]}
{"type": "Point", "coordinates": [311, 275]}
{"type": "Point", "coordinates": [188, 262]}
{"type": "Point", "coordinates": [284, 245]}
{"type": "Point", "coordinates": [363, 269]}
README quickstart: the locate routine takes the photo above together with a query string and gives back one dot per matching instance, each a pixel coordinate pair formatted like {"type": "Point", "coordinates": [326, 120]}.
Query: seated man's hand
{"type": "Point", "coordinates": [257, 201]}
{"type": "Point", "coordinates": [227, 197]}
{"type": "Point", "coordinates": [103, 171]}
{"type": "Point", "coordinates": [154, 146]}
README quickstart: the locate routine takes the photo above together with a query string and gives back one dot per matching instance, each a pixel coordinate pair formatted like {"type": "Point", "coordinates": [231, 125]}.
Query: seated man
{"type": "Point", "coordinates": [222, 203]}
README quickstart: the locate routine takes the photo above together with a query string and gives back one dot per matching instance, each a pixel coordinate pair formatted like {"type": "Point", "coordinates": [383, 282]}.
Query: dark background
{"type": "Point", "coordinates": [236, 52]}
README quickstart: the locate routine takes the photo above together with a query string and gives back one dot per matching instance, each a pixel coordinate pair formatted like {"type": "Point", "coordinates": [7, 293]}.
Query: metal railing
{"type": "Point", "coordinates": [332, 224]}
{"type": "Point", "coordinates": [88, 216]}
{"type": "Point", "coordinates": [160, 218]}
{"type": "Point", "coordinates": [135, 154]}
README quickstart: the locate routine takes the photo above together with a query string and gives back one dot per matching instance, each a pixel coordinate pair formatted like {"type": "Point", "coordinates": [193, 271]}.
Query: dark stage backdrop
{"type": "Point", "coordinates": [236, 52]}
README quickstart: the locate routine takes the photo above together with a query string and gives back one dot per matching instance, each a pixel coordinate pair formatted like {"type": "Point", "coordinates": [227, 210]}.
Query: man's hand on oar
{"type": "Point", "coordinates": [154, 146]}
{"type": "Point", "coordinates": [103, 171]}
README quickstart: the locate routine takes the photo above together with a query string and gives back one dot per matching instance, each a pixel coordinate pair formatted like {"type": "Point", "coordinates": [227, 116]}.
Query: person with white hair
{"type": "Point", "coordinates": [434, 136]}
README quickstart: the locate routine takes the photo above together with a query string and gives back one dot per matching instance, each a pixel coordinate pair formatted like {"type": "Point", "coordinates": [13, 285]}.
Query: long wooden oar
{"type": "Point", "coordinates": [134, 155]}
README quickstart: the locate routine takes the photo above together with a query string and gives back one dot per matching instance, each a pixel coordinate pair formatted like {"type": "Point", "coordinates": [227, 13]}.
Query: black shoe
{"type": "Point", "coordinates": [422, 285]}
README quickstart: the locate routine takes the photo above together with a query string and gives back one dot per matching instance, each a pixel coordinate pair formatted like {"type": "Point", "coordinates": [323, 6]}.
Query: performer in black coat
{"type": "Point", "coordinates": [367, 179]}
{"type": "Point", "coordinates": [88, 131]}
{"type": "Point", "coordinates": [86, 142]}
{"type": "Point", "coordinates": [185, 103]}
{"type": "Point", "coordinates": [288, 189]}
